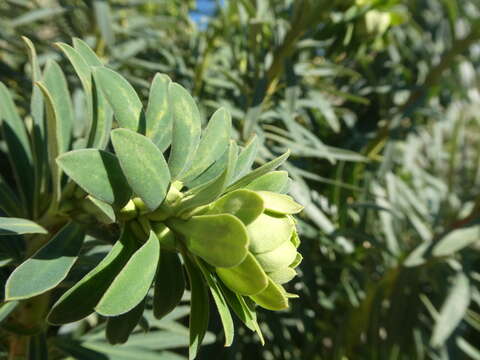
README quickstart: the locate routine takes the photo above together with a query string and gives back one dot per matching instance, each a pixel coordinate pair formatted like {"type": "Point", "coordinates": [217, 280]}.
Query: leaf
{"type": "Point", "coordinates": [268, 232]}
{"type": "Point", "coordinates": [452, 311]}
{"type": "Point", "coordinates": [48, 266]}
{"type": "Point", "coordinates": [246, 158]}
{"type": "Point", "coordinates": [120, 327]}
{"type": "Point", "coordinates": [200, 308]}
{"type": "Point", "coordinates": [279, 258]}
{"type": "Point", "coordinates": [132, 283]}
{"type": "Point", "coordinates": [18, 144]}
{"type": "Point", "coordinates": [220, 302]}
{"type": "Point", "coordinates": [79, 301]}
{"type": "Point", "coordinates": [210, 191]}
{"type": "Point", "coordinates": [98, 173]}
{"type": "Point", "coordinates": [158, 116]}
{"type": "Point", "coordinates": [56, 84]}
{"type": "Point", "coordinates": [244, 204]}
{"type": "Point", "coordinates": [282, 276]}
{"type": "Point", "coordinates": [262, 170]}
{"type": "Point", "coordinates": [279, 203]}
{"type": "Point", "coordinates": [186, 130]}
{"type": "Point", "coordinates": [248, 278]}
{"type": "Point", "coordinates": [213, 172]}
{"type": "Point", "coordinates": [14, 226]}
{"type": "Point", "coordinates": [456, 241]}
{"type": "Point", "coordinates": [103, 17]}
{"type": "Point", "coordinates": [143, 165]}
{"type": "Point", "coordinates": [169, 284]}
{"type": "Point", "coordinates": [213, 144]}
{"type": "Point", "coordinates": [274, 181]}
{"type": "Point", "coordinates": [6, 309]}
{"type": "Point", "coordinates": [272, 298]}
{"type": "Point", "coordinates": [9, 202]}
{"type": "Point", "coordinates": [103, 211]}
{"type": "Point", "coordinates": [121, 96]}
{"type": "Point", "coordinates": [86, 52]}
{"type": "Point", "coordinates": [221, 240]}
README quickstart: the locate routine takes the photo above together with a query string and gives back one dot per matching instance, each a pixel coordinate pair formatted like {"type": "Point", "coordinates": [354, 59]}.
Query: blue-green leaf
{"type": "Point", "coordinates": [48, 266]}
{"type": "Point", "coordinates": [15, 226]}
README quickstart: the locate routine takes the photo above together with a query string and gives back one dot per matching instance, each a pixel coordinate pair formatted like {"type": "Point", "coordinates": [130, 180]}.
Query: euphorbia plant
{"type": "Point", "coordinates": [203, 210]}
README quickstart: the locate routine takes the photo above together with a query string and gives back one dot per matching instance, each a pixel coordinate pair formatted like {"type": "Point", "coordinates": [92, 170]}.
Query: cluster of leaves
{"type": "Point", "coordinates": [391, 84]}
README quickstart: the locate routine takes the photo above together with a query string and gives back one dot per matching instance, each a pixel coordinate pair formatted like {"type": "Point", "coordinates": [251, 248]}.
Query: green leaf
{"type": "Point", "coordinates": [262, 170]}
{"type": "Point", "coordinates": [14, 226]}
{"type": "Point", "coordinates": [213, 144]}
{"type": "Point", "coordinates": [221, 240]}
{"type": "Point", "coordinates": [186, 130]}
{"type": "Point", "coordinates": [86, 52]}
{"type": "Point", "coordinates": [6, 309]}
{"type": "Point", "coordinates": [210, 191]}
{"type": "Point", "coordinates": [79, 301]}
{"type": "Point", "coordinates": [48, 266]}
{"type": "Point", "coordinates": [169, 284]}
{"type": "Point", "coordinates": [246, 158]}
{"type": "Point", "coordinates": [213, 172]}
{"type": "Point", "coordinates": [158, 116]}
{"type": "Point", "coordinates": [18, 144]}
{"type": "Point", "coordinates": [200, 308]}
{"type": "Point", "coordinates": [143, 165]}
{"type": "Point", "coordinates": [98, 173]}
{"type": "Point", "coordinates": [9, 202]}
{"type": "Point", "coordinates": [452, 311]}
{"type": "Point", "coordinates": [279, 258]}
{"type": "Point", "coordinates": [282, 276]}
{"type": "Point", "coordinates": [248, 278]}
{"type": "Point", "coordinates": [103, 211]}
{"type": "Point", "coordinates": [456, 241]}
{"type": "Point", "coordinates": [279, 203]}
{"type": "Point", "coordinates": [268, 232]}
{"type": "Point", "coordinates": [120, 327]}
{"type": "Point", "coordinates": [121, 96]}
{"type": "Point", "coordinates": [272, 298]}
{"type": "Point", "coordinates": [244, 204]}
{"type": "Point", "coordinates": [220, 302]}
{"type": "Point", "coordinates": [56, 84]}
{"type": "Point", "coordinates": [53, 129]}
{"type": "Point", "coordinates": [274, 181]}
{"type": "Point", "coordinates": [132, 283]}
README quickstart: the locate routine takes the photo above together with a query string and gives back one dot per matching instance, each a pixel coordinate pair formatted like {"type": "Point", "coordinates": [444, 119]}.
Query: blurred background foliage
{"type": "Point", "coordinates": [378, 101]}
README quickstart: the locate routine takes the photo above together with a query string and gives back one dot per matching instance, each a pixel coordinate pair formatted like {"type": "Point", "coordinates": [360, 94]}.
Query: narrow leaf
{"type": "Point", "coordinates": [120, 327]}
{"type": "Point", "coordinates": [14, 226]}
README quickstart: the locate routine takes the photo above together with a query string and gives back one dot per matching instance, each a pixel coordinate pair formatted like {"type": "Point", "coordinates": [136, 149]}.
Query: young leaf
{"type": "Point", "coordinates": [279, 203]}
{"type": "Point", "coordinates": [199, 310]}
{"type": "Point", "coordinates": [131, 285]}
{"type": "Point", "coordinates": [158, 116]}
{"type": "Point", "coordinates": [16, 226]}
{"type": "Point", "coordinates": [186, 130]}
{"type": "Point", "coordinates": [48, 266]}
{"type": "Point", "coordinates": [98, 173]}
{"type": "Point", "coordinates": [220, 302]}
{"type": "Point", "coordinates": [120, 327]}
{"type": "Point", "coordinates": [221, 240]}
{"type": "Point", "coordinates": [244, 204]}
{"type": "Point", "coordinates": [143, 165]}
{"type": "Point", "coordinates": [121, 96]}
{"type": "Point", "coordinates": [169, 284]}
{"type": "Point", "coordinates": [262, 170]}
{"type": "Point", "coordinates": [86, 52]}
{"type": "Point", "coordinates": [274, 181]}
{"type": "Point", "coordinates": [80, 300]}
{"type": "Point", "coordinates": [213, 144]}
{"type": "Point", "coordinates": [272, 298]}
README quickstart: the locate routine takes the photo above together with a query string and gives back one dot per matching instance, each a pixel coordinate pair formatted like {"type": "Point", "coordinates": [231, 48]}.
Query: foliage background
{"type": "Point", "coordinates": [378, 101]}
